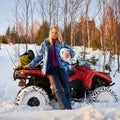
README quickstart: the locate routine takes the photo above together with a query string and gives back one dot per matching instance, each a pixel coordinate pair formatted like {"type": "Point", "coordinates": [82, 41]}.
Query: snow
{"type": "Point", "coordinates": [81, 111]}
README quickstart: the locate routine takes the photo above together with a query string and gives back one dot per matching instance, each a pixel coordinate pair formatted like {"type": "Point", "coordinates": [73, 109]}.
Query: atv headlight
{"type": "Point", "coordinates": [18, 74]}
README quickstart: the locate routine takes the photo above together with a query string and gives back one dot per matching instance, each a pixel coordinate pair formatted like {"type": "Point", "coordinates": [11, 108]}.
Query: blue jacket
{"type": "Point", "coordinates": [43, 56]}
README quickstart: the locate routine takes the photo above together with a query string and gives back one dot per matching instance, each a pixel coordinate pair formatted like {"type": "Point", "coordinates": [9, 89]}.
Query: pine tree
{"type": "Point", "coordinates": [8, 32]}
{"type": "Point", "coordinates": [43, 32]}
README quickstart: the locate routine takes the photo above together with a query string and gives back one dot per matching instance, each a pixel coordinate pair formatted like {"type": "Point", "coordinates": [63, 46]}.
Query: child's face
{"type": "Point", "coordinates": [54, 33]}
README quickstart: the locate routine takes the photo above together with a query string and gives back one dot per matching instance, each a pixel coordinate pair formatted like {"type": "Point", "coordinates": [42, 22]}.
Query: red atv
{"type": "Point", "coordinates": [85, 84]}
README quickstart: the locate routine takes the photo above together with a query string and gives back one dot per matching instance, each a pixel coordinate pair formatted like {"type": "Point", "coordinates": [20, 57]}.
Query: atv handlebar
{"type": "Point", "coordinates": [18, 69]}
{"type": "Point", "coordinates": [111, 84]}
{"type": "Point", "coordinates": [85, 63]}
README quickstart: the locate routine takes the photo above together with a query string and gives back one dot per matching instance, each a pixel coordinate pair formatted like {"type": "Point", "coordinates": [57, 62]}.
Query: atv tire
{"type": "Point", "coordinates": [32, 96]}
{"type": "Point", "coordinates": [102, 94]}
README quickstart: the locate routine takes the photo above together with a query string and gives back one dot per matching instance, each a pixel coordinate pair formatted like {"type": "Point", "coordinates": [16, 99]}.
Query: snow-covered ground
{"type": "Point", "coordinates": [81, 111]}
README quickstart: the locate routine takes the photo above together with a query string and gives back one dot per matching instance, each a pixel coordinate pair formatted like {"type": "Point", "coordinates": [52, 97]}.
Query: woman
{"type": "Point", "coordinates": [55, 66]}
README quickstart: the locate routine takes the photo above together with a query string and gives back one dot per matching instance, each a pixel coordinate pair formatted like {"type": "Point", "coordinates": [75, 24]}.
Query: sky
{"type": "Point", "coordinates": [7, 14]}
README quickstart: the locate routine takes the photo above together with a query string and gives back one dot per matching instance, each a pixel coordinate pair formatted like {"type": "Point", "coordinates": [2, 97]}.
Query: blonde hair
{"type": "Point", "coordinates": [60, 39]}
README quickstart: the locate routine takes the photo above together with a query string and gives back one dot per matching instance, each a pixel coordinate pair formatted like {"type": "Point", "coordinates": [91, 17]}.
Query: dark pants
{"type": "Point", "coordinates": [60, 79]}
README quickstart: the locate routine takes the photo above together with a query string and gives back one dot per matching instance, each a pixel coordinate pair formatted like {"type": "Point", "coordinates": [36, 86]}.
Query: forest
{"type": "Point", "coordinates": [90, 23]}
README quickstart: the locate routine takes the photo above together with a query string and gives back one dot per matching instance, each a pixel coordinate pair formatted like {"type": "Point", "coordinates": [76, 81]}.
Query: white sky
{"type": "Point", "coordinates": [6, 14]}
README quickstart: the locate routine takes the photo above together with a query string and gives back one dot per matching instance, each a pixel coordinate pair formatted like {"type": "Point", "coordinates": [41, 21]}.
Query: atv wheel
{"type": "Point", "coordinates": [32, 96]}
{"type": "Point", "coordinates": [103, 94]}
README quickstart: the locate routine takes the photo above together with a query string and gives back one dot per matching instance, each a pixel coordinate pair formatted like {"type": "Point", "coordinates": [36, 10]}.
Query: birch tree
{"type": "Point", "coordinates": [49, 10]}
{"type": "Point", "coordinates": [74, 11]}
{"type": "Point", "coordinates": [24, 15]}
{"type": "Point", "coordinates": [117, 29]}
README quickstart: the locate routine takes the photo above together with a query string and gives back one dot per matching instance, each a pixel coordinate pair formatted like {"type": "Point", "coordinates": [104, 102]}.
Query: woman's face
{"type": "Point", "coordinates": [54, 33]}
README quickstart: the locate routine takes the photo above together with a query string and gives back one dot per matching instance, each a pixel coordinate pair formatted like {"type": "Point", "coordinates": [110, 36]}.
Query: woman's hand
{"type": "Point", "coordinates": [25, 66]}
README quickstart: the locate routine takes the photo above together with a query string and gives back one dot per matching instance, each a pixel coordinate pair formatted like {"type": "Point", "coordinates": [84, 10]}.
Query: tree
{"type": "Point", "coordinates": [42, 32]}
{"type": "Point", "coordinates": [0, 41]}
{"type": "Point", "coordinates": [14, 35]}
{"type": "Point", "coordinates": [49, 11]}
{"type": "Point", "coordinates": [25, 16]}
{"type": "Point", "coordinates": [74, 8]}
{"type": "Point", "coordinates": [8, 35]}
{"type": "Point", "coordinates": [66, 34]}
{"type": "Point", "coordinates": [117, 30]}
{"type": "Point", "coordinates": [87, 2]}
{"type": "Point", "coordinates": [8, 32]}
